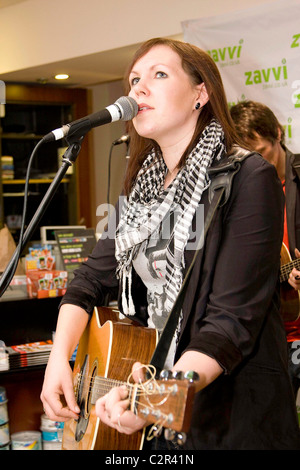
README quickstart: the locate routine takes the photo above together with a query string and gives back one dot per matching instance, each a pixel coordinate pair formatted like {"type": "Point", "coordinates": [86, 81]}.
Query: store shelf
{"type": "Point", "coordinates": [33, 181]}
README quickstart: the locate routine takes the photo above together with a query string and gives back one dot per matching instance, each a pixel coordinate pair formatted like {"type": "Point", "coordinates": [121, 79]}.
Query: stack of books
{"type": "Point", "coordinates": [29, 354]}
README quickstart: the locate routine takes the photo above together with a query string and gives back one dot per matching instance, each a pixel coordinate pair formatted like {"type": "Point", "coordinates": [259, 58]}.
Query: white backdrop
{"type": "Point", "coordinates": [258, 54]}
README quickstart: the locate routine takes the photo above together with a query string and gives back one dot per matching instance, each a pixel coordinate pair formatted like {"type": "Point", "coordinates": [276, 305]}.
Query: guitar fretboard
{"type": "Point", "coordinates": [287, 268]}
{"type": "Point", "coordinates": [103, 385]}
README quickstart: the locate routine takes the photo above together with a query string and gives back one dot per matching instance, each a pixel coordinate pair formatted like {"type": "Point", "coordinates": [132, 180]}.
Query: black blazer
{"type": "Point", "coordinates": [292, 192]}
{"type": "Point", "coordinates": [230, 312]}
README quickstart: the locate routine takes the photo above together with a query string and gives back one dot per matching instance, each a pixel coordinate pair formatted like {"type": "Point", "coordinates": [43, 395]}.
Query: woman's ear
{"type": "Point", "coordinates": [202, 95]}
{"type": "Point", "coordinates": [279, 134]}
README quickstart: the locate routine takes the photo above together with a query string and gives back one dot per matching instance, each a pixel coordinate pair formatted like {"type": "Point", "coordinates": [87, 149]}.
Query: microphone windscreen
{"type": "Point", "coordinates": [128, 106]}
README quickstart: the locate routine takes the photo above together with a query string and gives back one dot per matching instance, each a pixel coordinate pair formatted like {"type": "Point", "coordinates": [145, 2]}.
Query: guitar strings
{"type": "Point", "coordinates": [97, 384]}
{"type": "Point", "coordinates": [110, 383]}
{"type": "Point", "coordinates": [157, 427]}
{"type": "Point", "coordinates": [285, 269]}
{"type": "Point", "coordinates": [101, 389]}
{"type": "Point", "coordinates": [151, 371]}
{"type": "Point", "coordinates": [142, 389]}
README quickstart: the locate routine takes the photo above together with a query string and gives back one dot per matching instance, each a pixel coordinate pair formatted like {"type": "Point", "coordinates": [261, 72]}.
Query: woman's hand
{"type": "Point", "coordinates": [113, 408]}
{"type": "Point", "coordinates": [294, 277]}
{"type": "Point", "coordinates": [58, 381]}
{"type": "Point", "coordinates": [58, 386]}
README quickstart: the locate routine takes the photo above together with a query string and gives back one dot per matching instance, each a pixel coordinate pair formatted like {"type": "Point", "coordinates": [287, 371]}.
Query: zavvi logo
{"type": "Point", "coordinates": [266, 75]}
{"type": "Point", "coordinates": [296, 94]}
{"type": "Point", "coordinates": [296, 41]}
{"type": "Point", "coordinates": [226, 53]}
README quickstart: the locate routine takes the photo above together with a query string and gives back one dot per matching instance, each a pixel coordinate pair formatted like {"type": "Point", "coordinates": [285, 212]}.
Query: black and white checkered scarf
{"type": "Point", "coordinates": [149, 203]}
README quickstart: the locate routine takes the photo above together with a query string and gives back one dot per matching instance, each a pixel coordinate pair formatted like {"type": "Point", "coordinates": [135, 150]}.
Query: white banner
{"type": "Point", "coordinates": [258, 54]}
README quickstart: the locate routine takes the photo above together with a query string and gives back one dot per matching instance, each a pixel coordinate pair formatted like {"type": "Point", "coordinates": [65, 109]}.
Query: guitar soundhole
{"type": "Point", "coordinates": [84, 397]}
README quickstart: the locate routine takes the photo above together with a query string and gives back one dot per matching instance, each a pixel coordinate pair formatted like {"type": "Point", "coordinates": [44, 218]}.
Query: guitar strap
{"type": "Point", "coordinates": [219, 191]}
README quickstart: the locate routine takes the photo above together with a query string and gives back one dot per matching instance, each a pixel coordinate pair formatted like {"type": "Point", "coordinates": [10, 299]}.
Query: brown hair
{"type": "Point", "coordinates": [201, 68]}
{"type": "Point", "coordinates": [251, 118]}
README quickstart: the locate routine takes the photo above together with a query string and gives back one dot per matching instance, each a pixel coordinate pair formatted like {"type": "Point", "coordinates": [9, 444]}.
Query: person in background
{"type": "Point", "coordinates": [230, 330]}
{"type": "Point", "coordinates": [257, 123]}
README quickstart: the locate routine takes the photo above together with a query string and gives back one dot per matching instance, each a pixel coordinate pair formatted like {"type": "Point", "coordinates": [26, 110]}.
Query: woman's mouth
{"type": "Point", "coordinates": [144, 107]}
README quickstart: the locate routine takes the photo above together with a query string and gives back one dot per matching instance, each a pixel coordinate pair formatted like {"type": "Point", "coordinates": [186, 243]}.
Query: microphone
{"type": "Point", "coordinates": [122, 140]}
{"type": "Point", "coordinates": [124, 109]}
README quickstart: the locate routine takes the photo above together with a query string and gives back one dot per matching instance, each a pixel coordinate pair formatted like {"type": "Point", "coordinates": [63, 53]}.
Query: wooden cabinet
{"type": "Point", "coordinates": [30, 113]}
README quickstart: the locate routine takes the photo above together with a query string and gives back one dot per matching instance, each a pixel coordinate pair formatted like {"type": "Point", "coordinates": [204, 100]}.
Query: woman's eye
{"type": "Point", "coordinates": [161, 75]}
{"type": "Point", "coordinates": [134, 81]}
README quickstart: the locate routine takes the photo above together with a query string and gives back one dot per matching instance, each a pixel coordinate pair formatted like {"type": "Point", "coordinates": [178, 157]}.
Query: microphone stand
{"type": "Point", "coordinates": [69, 159]}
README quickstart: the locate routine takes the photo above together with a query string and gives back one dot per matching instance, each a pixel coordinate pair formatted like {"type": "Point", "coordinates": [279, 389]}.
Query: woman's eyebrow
{"type": "Point", "coordinates": [152, 67]}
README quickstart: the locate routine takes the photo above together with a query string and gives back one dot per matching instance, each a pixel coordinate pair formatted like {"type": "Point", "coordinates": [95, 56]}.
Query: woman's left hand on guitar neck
{"type": "Point", "coordinates": [113, 408]}
{"type": "Point", "coordinates": [294, 277]}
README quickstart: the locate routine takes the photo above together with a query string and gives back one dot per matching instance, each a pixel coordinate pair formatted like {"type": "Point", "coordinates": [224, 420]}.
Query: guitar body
{"type": "Point", "coordinates": [108, 348]}
{"type": "Point", "coordinates": [290, 299]}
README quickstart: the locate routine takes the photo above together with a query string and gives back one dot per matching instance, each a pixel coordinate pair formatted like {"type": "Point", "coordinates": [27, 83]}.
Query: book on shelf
{"type": "Point", "coordinates": [28, 354]}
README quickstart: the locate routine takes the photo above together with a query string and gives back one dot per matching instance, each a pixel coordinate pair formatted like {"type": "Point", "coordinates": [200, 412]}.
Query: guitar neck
{"type": "Point", "coordinates": [166, 401]}
{"type": "Point", "coordinates": [285, 269]}
{"type": "Point", "coordinates": [103, 385]}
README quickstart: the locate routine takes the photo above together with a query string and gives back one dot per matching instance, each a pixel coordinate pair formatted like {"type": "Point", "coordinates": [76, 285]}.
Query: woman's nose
{"type": "Point", "coordinates": [141, 88]}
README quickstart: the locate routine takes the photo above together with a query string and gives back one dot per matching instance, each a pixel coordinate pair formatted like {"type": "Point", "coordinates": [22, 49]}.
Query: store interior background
{"type": "Point", "coordinates": [93, 42]}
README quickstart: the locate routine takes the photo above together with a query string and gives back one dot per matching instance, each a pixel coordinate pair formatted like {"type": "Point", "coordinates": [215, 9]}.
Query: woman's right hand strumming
{"type": "Point", "coordinates": [57, 395]}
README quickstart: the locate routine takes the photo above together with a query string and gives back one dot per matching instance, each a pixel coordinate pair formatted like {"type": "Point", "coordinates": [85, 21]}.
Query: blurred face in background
{"type": "Point", "coordinates": [270, 151]}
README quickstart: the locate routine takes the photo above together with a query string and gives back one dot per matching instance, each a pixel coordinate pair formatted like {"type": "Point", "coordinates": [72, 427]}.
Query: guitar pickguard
{"type": "Point", "coordinates": [84, 396]}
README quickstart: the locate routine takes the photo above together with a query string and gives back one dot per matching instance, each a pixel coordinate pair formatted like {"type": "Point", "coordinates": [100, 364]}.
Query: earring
{"type": "Point", "coordinates": [197, 106]}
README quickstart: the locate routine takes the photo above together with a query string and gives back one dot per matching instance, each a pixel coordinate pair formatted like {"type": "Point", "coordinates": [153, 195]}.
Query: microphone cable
{"type": "Point", "coordinates": [114, 143]}
{"type": "Point", "coordinates": [109, 174]}
{"type": "Point", "coordinates": [20, 242]}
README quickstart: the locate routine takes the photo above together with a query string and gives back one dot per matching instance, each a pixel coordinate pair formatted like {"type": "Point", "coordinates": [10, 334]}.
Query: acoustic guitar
{"type": "Point", "coordinates": [106, 352]}
{"type": "Point", "coordinates": [290, 306]}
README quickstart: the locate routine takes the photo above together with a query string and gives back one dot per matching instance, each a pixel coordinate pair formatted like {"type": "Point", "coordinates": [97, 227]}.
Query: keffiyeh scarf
{"type": "Point", "coordinates": [149, 204]}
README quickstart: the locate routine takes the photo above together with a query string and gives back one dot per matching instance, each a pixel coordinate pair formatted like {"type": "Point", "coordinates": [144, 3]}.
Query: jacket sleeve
{"type": "Point", "coordinates": [246, 269]}
{"type": "Point", "coordinates": [96, 278]}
